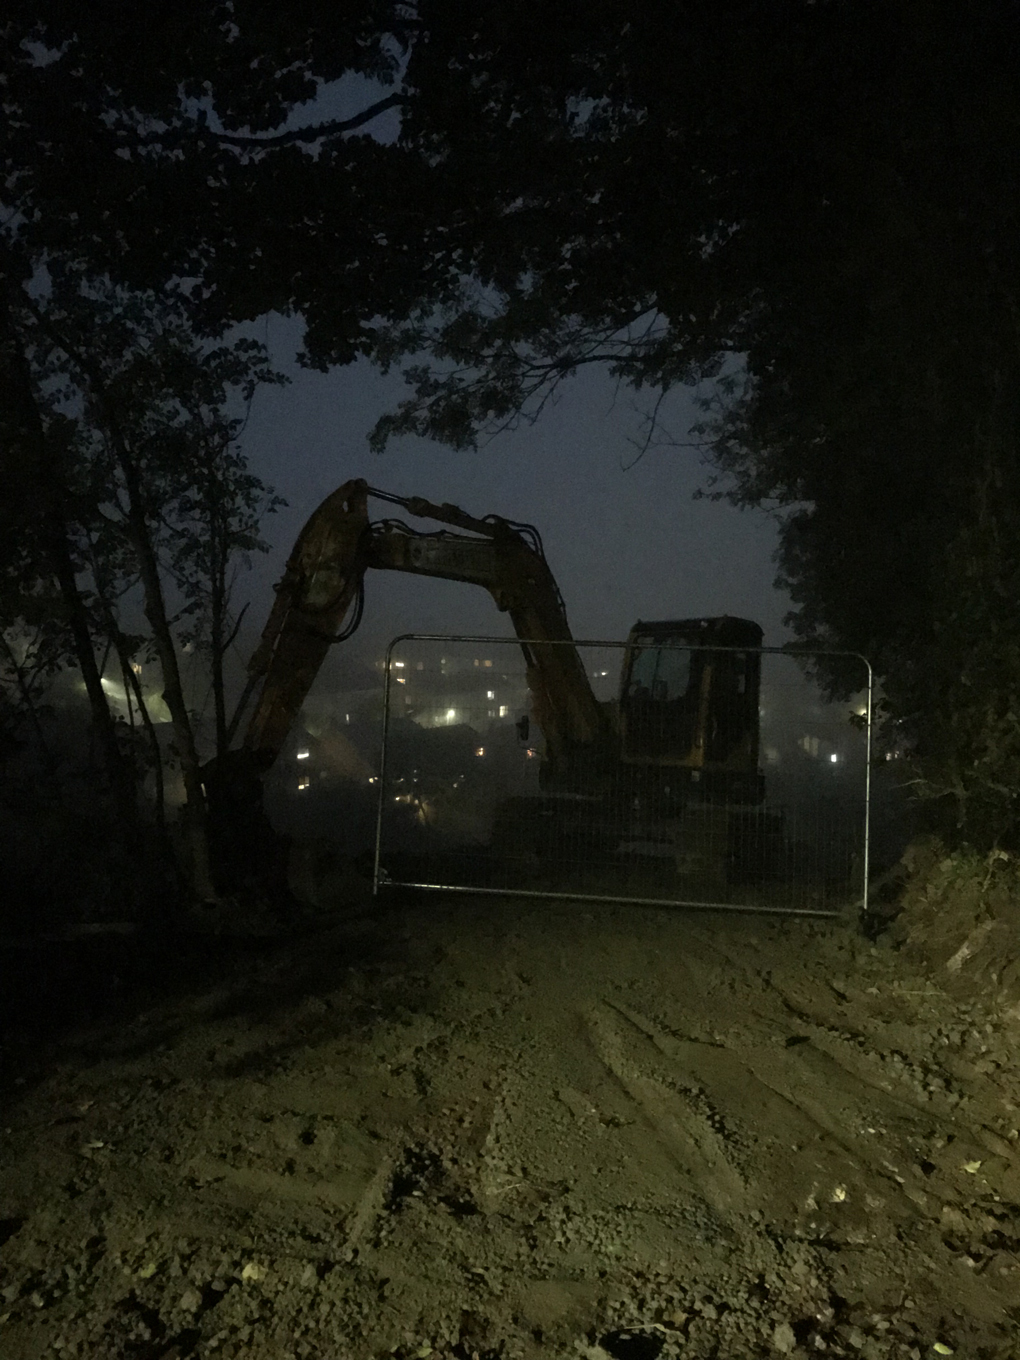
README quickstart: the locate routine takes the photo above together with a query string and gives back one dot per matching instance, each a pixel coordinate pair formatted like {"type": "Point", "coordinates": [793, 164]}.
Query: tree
{"type": "Point", "coordinates": [817, 198]}
{"type": "Point", "coordinates": [152, 147]}
{"type": "Point", "coordinates": [819, 202]}
{"type": "Point", "coordinates": [216, 522]}
{"type": "Point", "coordinates": [38, 538]}
{"type": "Point", "coordinates": [154, 490]}
{"type": "Point", "coordinates": [32, 650]}
{"type": "Point", "coordinates": [145, 151]}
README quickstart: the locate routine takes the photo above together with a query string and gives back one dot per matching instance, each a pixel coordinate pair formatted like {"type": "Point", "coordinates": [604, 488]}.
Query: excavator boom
{"type": "Point", "coordinates": [323, 583]}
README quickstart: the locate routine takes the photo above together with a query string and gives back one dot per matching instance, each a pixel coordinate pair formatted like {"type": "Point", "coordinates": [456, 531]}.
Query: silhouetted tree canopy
{"type": "Point", "coordinates": [821, 202]}
{"type": "Point", "coordinates": [146, 142]}
{"type": "Point", "coordinates": [817, 199]}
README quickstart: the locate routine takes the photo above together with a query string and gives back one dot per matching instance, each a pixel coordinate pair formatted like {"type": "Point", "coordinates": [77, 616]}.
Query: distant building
{"type": "Point", "coordinates": [457, 691]}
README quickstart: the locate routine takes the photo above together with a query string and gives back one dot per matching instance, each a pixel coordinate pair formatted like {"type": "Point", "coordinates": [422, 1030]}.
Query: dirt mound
{"type": "Point", "coordinates": [959, 916]}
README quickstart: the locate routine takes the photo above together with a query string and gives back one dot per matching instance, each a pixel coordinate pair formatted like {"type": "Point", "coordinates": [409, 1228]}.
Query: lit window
{"type": "Point", "coordinates": [490, 694]}
{"type": "Point", "coordinates": [834, 758]}
{"type": "Point", "coordinates": [136, 666]}
{"type": "Point", "coordinates": [489, 664]}
{"type": "Point", "coordinates": [451, 715]}
{"type": "Point", "coordinates": [304, 783]}
{"type": "Point", "coordinates": [398, 665]}
{"type": "Point", "coordinates": [347, 717]}
{"type": "Point", "coordinates": [477, 662]}
{"type": "Point", "coordinates": [401, 680]}
{"type": "Point", "coordinates": [303, 755]}
{"type": "Point", "coordinates": [503, 710]}
{"type": "Point", "coordinates": [479, 750]}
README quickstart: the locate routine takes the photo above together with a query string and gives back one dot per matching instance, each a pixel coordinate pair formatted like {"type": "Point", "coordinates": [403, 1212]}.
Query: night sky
{"type": "Point", "coordinates": [624, 543]}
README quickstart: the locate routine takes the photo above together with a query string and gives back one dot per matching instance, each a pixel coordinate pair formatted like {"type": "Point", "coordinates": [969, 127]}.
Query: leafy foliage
{"type": "Point", "coordinates": [137, 407]}
{"type": "Point", "coordinates": [153, 146]}
{"type": "Point", "coordinates": [820, 202]}
{"type": "Point", "coordinates": [131, 388]}
{"type": "Point", "coordinates": [138, 426]}
{"type": "Point", "coordinates": [817, 199]}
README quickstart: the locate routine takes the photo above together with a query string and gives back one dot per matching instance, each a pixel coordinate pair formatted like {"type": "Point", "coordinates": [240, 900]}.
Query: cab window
{"type": "Point", "coordinates": [660, 673]}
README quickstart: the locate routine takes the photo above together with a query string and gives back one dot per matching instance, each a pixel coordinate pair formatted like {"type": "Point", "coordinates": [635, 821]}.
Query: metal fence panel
{"type": "Point", "coordinates": [774, 818]}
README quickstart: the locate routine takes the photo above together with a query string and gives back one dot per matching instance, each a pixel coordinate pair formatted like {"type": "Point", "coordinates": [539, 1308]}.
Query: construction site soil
{"type": "Point", "coordinates": [457, 1128]}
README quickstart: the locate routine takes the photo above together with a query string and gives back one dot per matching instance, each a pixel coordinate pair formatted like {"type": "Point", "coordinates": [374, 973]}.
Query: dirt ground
{"type": "Point", "coordinates": [475, 1128]}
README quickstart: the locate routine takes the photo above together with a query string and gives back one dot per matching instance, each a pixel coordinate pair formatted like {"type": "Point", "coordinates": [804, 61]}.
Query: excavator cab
{"type": "Point", "coordinates": [688, 705]}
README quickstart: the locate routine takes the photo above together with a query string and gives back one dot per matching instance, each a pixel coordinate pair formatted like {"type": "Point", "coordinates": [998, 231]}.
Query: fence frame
{"type": "Point", "coordinates": [379, 880]}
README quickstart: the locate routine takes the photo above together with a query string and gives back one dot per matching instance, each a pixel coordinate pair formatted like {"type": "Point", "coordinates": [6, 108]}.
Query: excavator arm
{"type": "Point", "coordinates": [323, 584]}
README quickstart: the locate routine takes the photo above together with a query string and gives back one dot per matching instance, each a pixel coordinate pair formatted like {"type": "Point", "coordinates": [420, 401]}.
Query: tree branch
{"type": "Point", "coordinates": [237, 626]}
{"type": "Point", "coordinates": [314, 133]}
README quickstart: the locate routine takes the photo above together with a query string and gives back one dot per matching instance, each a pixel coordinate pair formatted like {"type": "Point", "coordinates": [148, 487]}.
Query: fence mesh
{"type": "Point", "coordinates": [712, 789]}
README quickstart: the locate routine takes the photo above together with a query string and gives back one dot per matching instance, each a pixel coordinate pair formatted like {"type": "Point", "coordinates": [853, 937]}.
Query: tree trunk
{"type": "Point", "coordinates": [28, 699]}
{"type": "Point", "coordinates": [42, 489]}
{"type": "Point", "coordinates": [132, 685]}
{"type": "Point", "coordinates": [173, 691]}
{"type": "Point", "coordinates": [155, 611]}
{"type": "Point", "coordinates": [218, 587]}
{"type": "Point", "coordinates": [157, 755]}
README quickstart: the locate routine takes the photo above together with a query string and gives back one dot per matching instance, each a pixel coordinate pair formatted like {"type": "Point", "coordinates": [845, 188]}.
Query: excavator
{"type": "Point", "coordinates": [681, 739]}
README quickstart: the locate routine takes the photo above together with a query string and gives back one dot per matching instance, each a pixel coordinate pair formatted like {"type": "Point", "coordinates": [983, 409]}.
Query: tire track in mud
{"type": "Point", "coordinates": [679, 1114]}
{"type": "Point", "coordinates": [529, 1138]}
{"type": "Point", "coordinates": [886, 1121]}
{"type": "Point", "coordinates": [796, 1129]}
{"type": "Point", "coordinates": [889, 1160]}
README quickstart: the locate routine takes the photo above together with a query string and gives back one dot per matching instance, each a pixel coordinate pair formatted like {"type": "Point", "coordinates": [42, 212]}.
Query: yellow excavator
{"type": "Point", "coordinates": [673, 759]}
{"type": "Point", "coordinates": [682, 735]}
{"type": "Point", "coordinates": [323, 588]}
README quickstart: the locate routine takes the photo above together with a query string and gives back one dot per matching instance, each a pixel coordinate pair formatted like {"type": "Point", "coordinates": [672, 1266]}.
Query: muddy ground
{"type": "Point", "coordinates": [456, 1128]}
